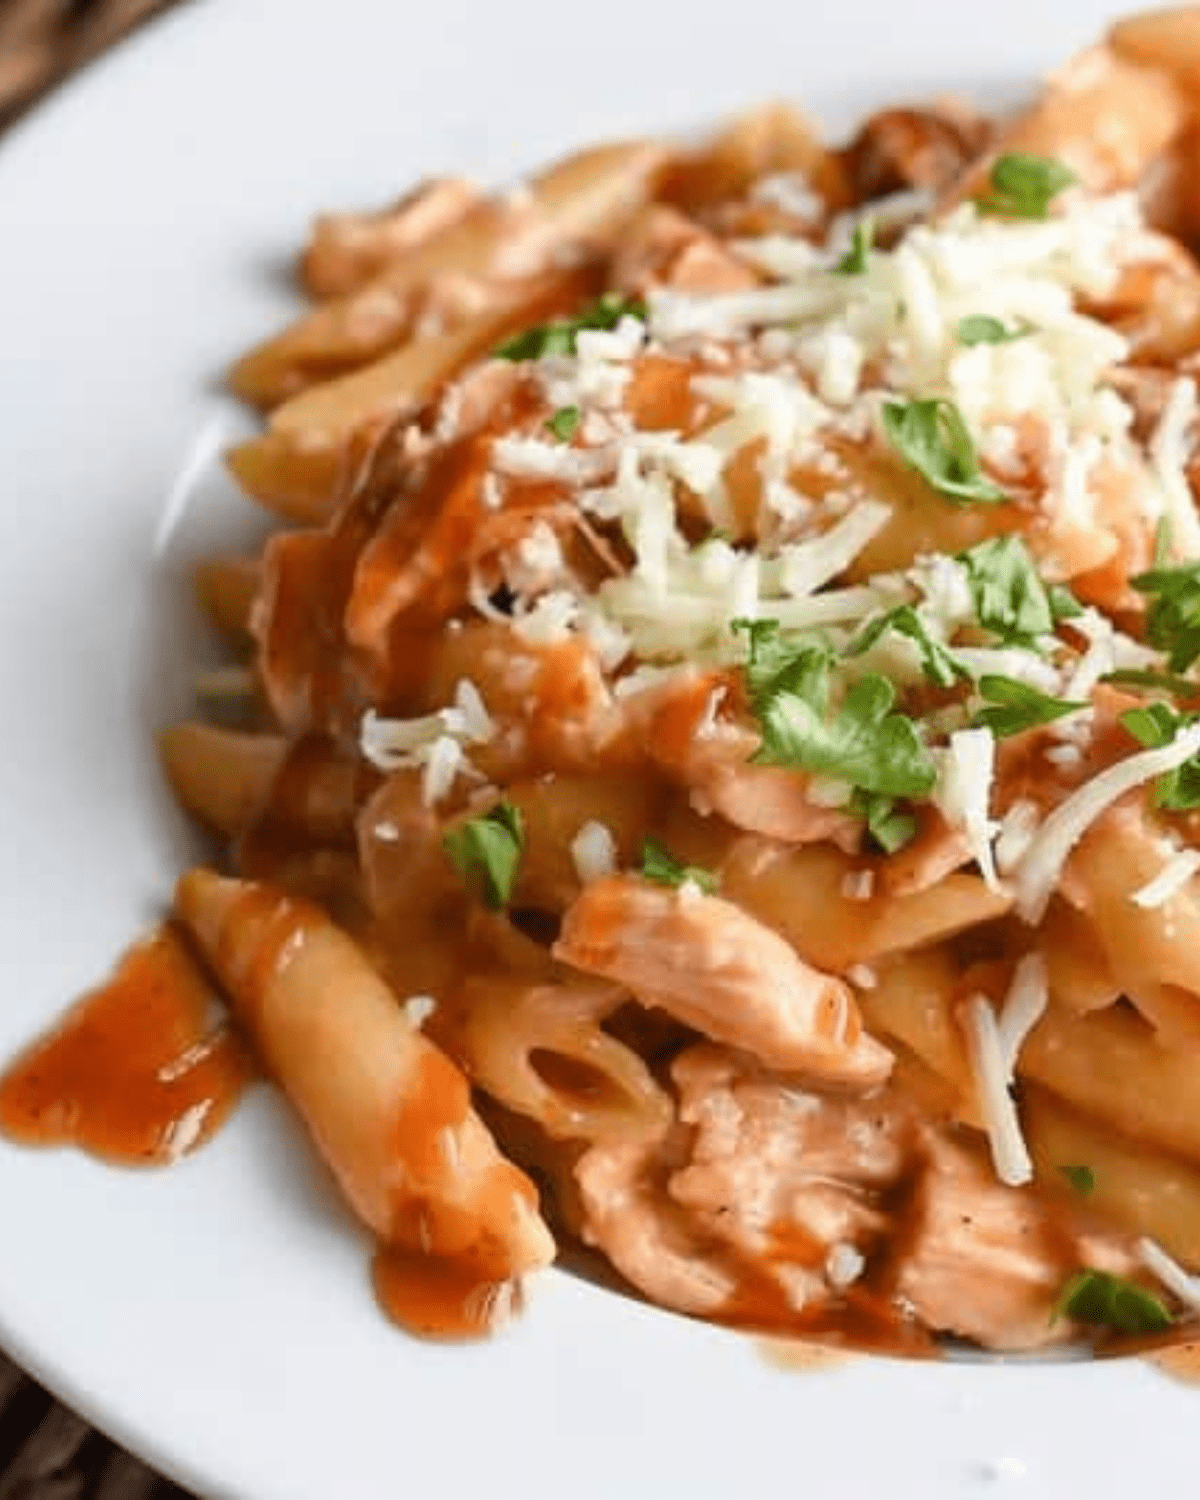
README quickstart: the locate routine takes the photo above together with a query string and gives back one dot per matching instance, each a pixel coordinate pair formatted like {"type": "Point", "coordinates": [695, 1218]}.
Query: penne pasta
{"type": "Point", "coordinates": [389, 1113]}
{"type": "Point", "coordinates": [583, 200]}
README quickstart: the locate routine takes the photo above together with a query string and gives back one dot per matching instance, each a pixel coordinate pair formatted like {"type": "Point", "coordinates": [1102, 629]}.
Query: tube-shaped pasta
{"type": "Point", "coordinates": [540, 1050]}
{"type": "Point", "coordinates": [1147, 1191]}
{"type": "Point", "coordinates": [556, 810]}
{"type": "Point", "coordinates": [221, 776]}
{"type": "Point", "coordinates": [390, 1113]}
{"type": "Point", "coordinates": [1111, 1066]}
{"type": "Point", "coordinates": [1168, 39]}
{"type": "Point", "coordinates": [770, 139]}
{"type": "Point", "coordinates": [586, 197]}
{"type": "Point", "coordinates": [709, 964]}
{"type": "Point", "coordinates": [1143, 944]}
{"type": "Point", "coordinates": [809, 895]}
{"type": "Point", "coordinates": [293, 467]}
{"type": "Point", "coordinates": [1104, 117]}
{"type": "Point", "coordinates": [348, 249]}
{"type": "Point", "coordinates": [912, 1000]}
{"type": "Point", "coordinates": [225, 587]}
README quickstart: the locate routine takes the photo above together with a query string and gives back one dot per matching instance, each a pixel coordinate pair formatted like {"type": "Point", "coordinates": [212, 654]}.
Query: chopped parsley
{"type": "Point", "coordinates": [1173, 614]}
{"type": "Point", "coordinates": [932, 437]}
{"type": "Point", "coordinates": [1082, 1179]}
{"type": "Point", "coordinates": [1112, 1302]}
{"type": "Point", "coordinates": [1153, 682]}
{"type": "Point", "coordinates": [558, 337]}
{"type": "Point", "coordinates": [858, 257]}
{"type": "Point", "coordinates": [659, 865]}
{"type": "Point", "coordinates": [1063, 603]}
{"type": "Point", "coordinates": [1010, 598]}
{"type": "Point", "coordinates": [978, 328]}
{"type": "Point", "coordinates": [1023, 186]}
{"type": "Point", "coordinates": [564, 424]}
{"type": "Point", "coordinates": [890, 829]}
{"type": "Point", "coordinates": [938, 664]}
{"type": "Point", "coordinates": [488, 850]}
{"type": "Point", "coordinates": [1154, 726]}
{"type": "Point", "coordinates": [862, 741]}
{"type": "Point", "coordinates": [1013, 706]}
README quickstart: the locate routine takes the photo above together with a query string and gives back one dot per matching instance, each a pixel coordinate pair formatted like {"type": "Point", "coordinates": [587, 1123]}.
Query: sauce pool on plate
{"type": "Point", "coordinates": [139, 1072]}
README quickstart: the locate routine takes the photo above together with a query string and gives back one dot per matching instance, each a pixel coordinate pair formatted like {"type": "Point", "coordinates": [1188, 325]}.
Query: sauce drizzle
{"type": "Point", "coordinates": [139, 1072]}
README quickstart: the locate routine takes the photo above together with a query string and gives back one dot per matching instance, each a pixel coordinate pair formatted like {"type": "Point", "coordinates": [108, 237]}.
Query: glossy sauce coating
{"type": "Point", "coordinates": [435, 1299]}
{"type": "Point", "coordinates": [139, 1072]}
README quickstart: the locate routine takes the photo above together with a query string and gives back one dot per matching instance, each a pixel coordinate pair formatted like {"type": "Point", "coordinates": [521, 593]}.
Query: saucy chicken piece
{"type": "Point", "coordinates": [988, 1262]}
{"type": "Point", "coordinates": [709, 964]}
{"type": "Point", "coordinates": [696, 730]}
{"type": "Point", "coordinates": [898, 149]}
{"type": "Point", "coordinates": [789, 1178]}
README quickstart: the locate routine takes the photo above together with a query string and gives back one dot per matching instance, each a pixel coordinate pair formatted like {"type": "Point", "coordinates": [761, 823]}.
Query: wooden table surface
{"type": "Point", "coordinates": [46, 1452]}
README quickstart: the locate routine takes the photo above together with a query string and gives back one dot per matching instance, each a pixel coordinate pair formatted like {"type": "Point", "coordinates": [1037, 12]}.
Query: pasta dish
{"type": "Point", "coordinates": [708, 772]}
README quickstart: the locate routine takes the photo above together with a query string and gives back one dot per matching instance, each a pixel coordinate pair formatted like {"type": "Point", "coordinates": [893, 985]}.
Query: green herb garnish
{"type": "Point", "coordinates": [1082, 1179]}
{"type": "Point", "coordinates": [1112, 1302]}
{"type": "Point", "coordinates": [1014, 706]}
{"type": "Point", "coordinates": [1063, 603]}
{"type": "Point", "coordinates": [659, 865]}
{"type": "Point", "coordinates": [489, 849]}
{"type": "Point", "coordinates": [1024, 186]}
{"type": "Point", "coordinates": [932, 437]}
{"type": "Point", "coordinates": [1010, 598]}
{"type": "Point", "coordinates": [862, 741]}
{"type": "Point", "coordinates": [890, 829]}
{"type": "Point", "coordinates": [1173, 616]}
{"type": "Point", "coordinates": [937, 662]}
{"type": "Point", "coordinates": [1155, 726]}
{"type": "Point", "coordinates": [1154, 682]}
{"type": "Point", "coordinates": [978, 328]}
{"type": "Point", "coordinates": [559, 336]}
{"type": "Point", "coordinates": [858, 257]}
{"type": "Point", "coordinates": [564, 424]}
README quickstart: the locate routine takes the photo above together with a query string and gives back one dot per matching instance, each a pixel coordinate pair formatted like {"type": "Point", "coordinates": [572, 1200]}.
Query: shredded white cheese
{"type": "Point", "coordinates": [417, 1009]}
{"type": "Point", "coordinates": [1024, 1006]}
{"type": "Point", "coordinates": [1170, 450]}
{"type": "Point", "coordinates": [963, 792]}
{"type": "Point", "coordinates": [1010, 1155]}
{"type": "Point", "coordinates": [1173, 1276]}
{"type": "Point", "coordinates": [594, 851]}
{"type": "Point", "coordinates": [1042, 864]}
{"type": "Point", "coordinates": [1169, 881]}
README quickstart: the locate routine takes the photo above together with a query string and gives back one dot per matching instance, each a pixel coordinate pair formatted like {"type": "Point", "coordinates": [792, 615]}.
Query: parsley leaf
{"type": "Point", "coordinates": [1010, 598]}
{"type": "Point", "coordinates": [1097, 1297]}
{"type": "Point", "coordinates": [1173, 617]}
{"type": "Point", "coordinates": [890, 829]}
{"type": "Point", "coordinates": [1162, 541]}
{"type": "Point", "coordinates": [863, 742]}
{"type": "Point", "coordinates": [938, 664]}
{"type": "Point", "coordinates": [978, 328]}
{"type": "Point", "coordinates": [564, 424]}
{"type": "Point", "coordinates": [932, 437]}
{"type": "Point", "coordinates": [659, 865]}
{"type": "Point", "coordinates": [1063, 603]}
{"type": "Point", "coordinates": [1082, 1179]}
{"type": "Point", "coordinates": [489, 848]}
{"type": "Point", "coordinates": [1015, 706]}
{"type": "Point", "coordinates": [857, 258]}
{"type": "Point", "coordinates": [559, 336]}
{"type": "Point", "coordinates": [1154, 682]}
{"type": "Point", "coordinates": [1156, 725]}
{"type": "Point", "coordinates": [1023, 185]}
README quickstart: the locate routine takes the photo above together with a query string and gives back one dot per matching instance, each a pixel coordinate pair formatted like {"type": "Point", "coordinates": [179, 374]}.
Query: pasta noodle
{"type": "Point", "coordinates": [718, 741]}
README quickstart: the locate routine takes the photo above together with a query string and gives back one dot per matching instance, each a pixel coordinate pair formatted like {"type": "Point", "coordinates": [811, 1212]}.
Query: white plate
{"type": "Point", "coordinates": [217, 1318]}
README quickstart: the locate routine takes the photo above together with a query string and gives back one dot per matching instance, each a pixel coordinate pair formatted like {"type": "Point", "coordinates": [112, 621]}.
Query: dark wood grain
{"type": "Point", "coordinates": [46, 1452]}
